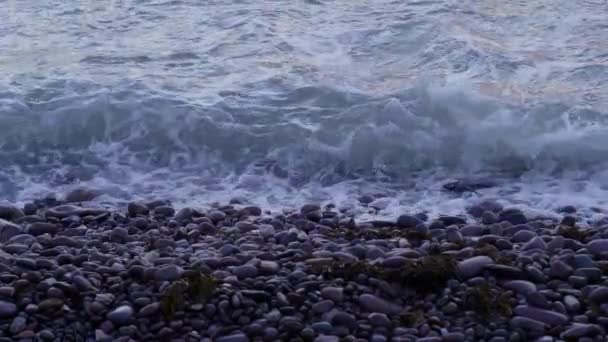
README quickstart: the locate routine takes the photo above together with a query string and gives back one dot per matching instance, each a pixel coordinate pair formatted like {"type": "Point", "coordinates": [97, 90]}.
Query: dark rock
{"type": "Point", "coordinates": [8, 230]}
{"type": "Point", "coordinates": [39, 228]}
{"type": "Point", "coordinates": [10, 213]}
{"type": "Point", "coordinates": [513, 216]}
{"type": "Point", "coordinates": [450, 220]}
{"type": "Point", "coordinates": [136, 208]}
{"type": "Point", "coordinates": [7, 309]}
{"type": "Point", "coordinates": [569, 221]}
{"type": "Point", "coordinates": [408, 221]}
{"type": "Point", "coordinates": [164, 211]}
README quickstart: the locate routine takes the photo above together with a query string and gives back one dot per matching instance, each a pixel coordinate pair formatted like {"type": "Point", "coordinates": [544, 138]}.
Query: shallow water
{"type": "Point", "coordinates": [285, 102]}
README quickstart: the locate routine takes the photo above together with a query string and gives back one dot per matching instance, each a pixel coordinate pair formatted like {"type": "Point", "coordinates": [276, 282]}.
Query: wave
{"type": "Point", "coordinates": [66, 132]}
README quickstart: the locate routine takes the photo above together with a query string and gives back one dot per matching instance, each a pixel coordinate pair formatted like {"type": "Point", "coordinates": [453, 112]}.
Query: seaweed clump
{"type": "Point", "coordinates": [486, 301]}
{"type": "Point", "coordinates": [195, 288]}
{"type": "Point", "coordinates": [572, 232]}
{"type": "Point", "coordinates": [425, 274]}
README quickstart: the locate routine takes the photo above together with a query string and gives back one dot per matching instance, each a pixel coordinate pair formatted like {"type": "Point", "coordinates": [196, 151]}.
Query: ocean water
{"type": "Point", "coordinates": [280, 103]}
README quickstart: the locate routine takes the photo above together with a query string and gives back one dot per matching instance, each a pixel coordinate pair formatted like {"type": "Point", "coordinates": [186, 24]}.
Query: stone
{"type": "Point", "coordinates": [478, 209]}
{"type": "Point", "coordinates": [322, 306]}
{"type": "Point", "coordinates": [452, 220]}
{"type": "Point", "coordinates": [10, 213]}
{"type": "Point", "coordinates": [267, 267]}
{"type": "Point", "coordinates": [121, 315]}
{"type": "Point", "coordinates": [8, 230]}
{"type": "Point", "coordinates": [39, 228]}
{"type": "Point", "coordinates": [597, 247]}
{"type": "Point", "coordinates": [572, 304]}
{"type": "Point", "coordinates": [560, 270]}
{"type": "Point", "coordinates": [471, 230]}
{"type": "Point", "coordinates": [408, 221]}
{"type": "Point", "coordinates": [149, 310]}
{"type": "Point", "coordinates": [379, 319]}
{"type": "Point", "coordinates": [535, 243]}
{"type": "Point", "coordinates": [579, 330]}
{"type": "Point", "coordinates": [137, 208]}
{"type": "Point", "coordinates": [334, 293]}
{"type": "Point", "coordinates": [168, 273]}
{"type": "Point", "coordinates": [471, 267]}
{"type": "Point", "coordinates": [164, 211]}
{"type": "Point", "coordinates": [584, 261]}
{"type": "Point", "coordinates": [82, 283]}
{"type": "Point", "coordinates": [245, 271]}
{"type": "Point", "coordinates": [534, 327]}
{"type": "Point", "coordinates": [513, 216]}
{"type": "Point", "coordinates": [50, 305]}
{"type": "Point", "coordinates": [184, 214]}
{"type": "Point", "coordinates": [237, 337]}
{"type": "Point", "coordinates": [372, 303]}
{"type": "Point", "coordinates": [541, 315]}
{"type": "Point", "coordinates": [523, 236]}
{"type": "Point", "coordinates": [489, 217]}
{"type": "Point", "coordinates": [18, 325]}
{"type": "Point", "coordinates": [344, 319]}
{"type": "Point", "coordinates": [599, 294]}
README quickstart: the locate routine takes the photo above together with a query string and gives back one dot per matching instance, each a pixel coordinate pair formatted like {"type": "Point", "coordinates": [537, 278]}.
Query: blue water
{"type": "Point", "coordinates": [286, 102]}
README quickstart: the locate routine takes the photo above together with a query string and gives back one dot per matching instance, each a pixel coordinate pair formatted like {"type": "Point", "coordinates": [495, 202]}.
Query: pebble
{"type": "Point", "coordinates": [541, 315]}
{"type": "Point", "coordinates": [18, 325]}
{"type": "Point", "coordinates": [473, 266]}
{"type": "Point", "coordinates": [373, 303]}
{"type": "Point", "coordinates": [121, 315]}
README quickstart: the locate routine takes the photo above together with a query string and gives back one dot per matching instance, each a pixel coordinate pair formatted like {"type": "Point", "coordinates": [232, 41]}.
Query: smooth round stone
{"type": "Point", "coordinates": [560, 270]}
{"type": "Point", "coordinates": [523, 236]}
{"type": "Point", "coordinates": [535, 243]}
{"type": "Point", "coordinates": [598, 246]}
{"type": "Point", "coordinates": [599, 295]}
{"type": "Point", "coordinates": [291, 324]}
{"type": "Point", "coordinates": [592, 274]}
{"type": "Point", "coordinates": [572, 304]}
{"type": "Point", "coordinates": [584, 261]}
{"type": "Point", "coordinates": [379, 319]}
{"type": "Point", "coordinates": [322, 327]}
{"type": "Point", "coordinates": [471, 230]}
{"type": "Point", "coordinates": [322, 306]}
{"type": "Point", "coordinates": [327, 338]}
{"type": "Point", "coordinates": [577, 282]}
{"type": "Point", "coordinates": [168, 273]}
{"type": "Point", "coordinates": [149, 309]}
{"type": "Point", "coordinates": [579, 330]}
{"type": "Point", "coordinates": [372, 303]}
{"type": "Point", "coordinates": [121, 315]}
{"type": "Point", "coordinates": [245, 271]}
{"type": "Point", "coordinates": [453, 235]}
{"type": "Point", "coordinates": [7, 309]}
{"type": "Point", "coordinates": [238, 337]}
{"type": "Point", "coordinates": [334, 293]}
{"type": "Point", "coordinates": [344, 319]}
{"type": "Point", "coordinates": [533, 327]}
{"type": "Point", "coordinates": [18, 325]}
{"type": "Point", "coordinates": [270, 334]}
{"type": "Point", "coordinates": [541, 315]}
{"type": "Point", "coordinates": [408, 221]}
{"type": "Point", "coordinates": [473, 266]}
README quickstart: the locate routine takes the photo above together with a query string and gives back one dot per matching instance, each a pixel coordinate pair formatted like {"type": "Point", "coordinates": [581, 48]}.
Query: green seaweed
{"type": "Point", "coordinates": [195, 288]}
{"type": "Point", "coordinates": [487, 301]}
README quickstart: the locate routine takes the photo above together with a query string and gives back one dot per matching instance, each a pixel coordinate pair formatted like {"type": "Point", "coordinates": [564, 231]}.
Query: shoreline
{"type": "Point", "coordinates": [236, 273]}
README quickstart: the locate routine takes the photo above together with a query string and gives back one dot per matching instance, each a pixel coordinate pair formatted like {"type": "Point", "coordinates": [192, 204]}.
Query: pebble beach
{"type": "Point", "coordinates": [235, 273]}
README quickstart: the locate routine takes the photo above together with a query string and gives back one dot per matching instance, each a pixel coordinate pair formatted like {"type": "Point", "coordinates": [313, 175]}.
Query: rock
{"type": "Point", "coordinates": [7, 309]}
{"type": "Point", "coordinates": [82, 283]}
{"type": "Point", "coordinates": [344, 319]}
{"type": "Point", "coordinates": [569, 221]}
{"type": "Point", "coordinates": [184, 214]}
{"type": "Point", "coordinates": [408, 221]}
{"type": "Point", "coordinates": [520, 286]}
{"type": "Point", "coordinates": [307, 208]}
{"type": "Point", "coordinates": [18, 325]}
{"type": "Point", "coordinates": [238, 337]}
{"type": "Point", "coordinates": [168, 273]}
{"type": "Point", "coordinates": [471, 230]}
{"type": "Point", "coordinates": [560, 270]}
{"type": "Point", "coordinates": [597, 247]}
{"type": "Point", "coordinates": [46, 335]}
{"type": "Point", "coordinates": [268, 267]}
{"type": "Point", "coordinates": [8, 230]}
{"type": "Point", "coordinates": [523, 236]}
{"type": "Point", "coordinates": [579, 330]}
{"type": "Point", "coordinates": [573, 305]}
{"type": "Point", "coordinates": [39, 228]}
{"type": "Point", "coordinates": [322, 306]}
{"type": "Point", "coordinates": [50, 305]}
{"type": "Point", "coordinates": [252, 211]}
{"type": "Point", "coordinates": [379, 319]}
{"type": "Point", "coordinates": [541, 315]}
{"type": "Point", "coordinates": [450, 220]}
{"type": "Point", "coordinates": [149, 310]}
{"type": "Point", "coordinates": [533, 327]}
{"type": "Point", "coordinates": [245, 271]}
{"type": "Point", "coordinates": [489, 217]}
{"type": "Point", "coordinates": [454, 235]}
{"type": "Point", "coordinates": [327, 338]}
{"type": "Point", "coordinates": [164, 211]}
{"type": "Point", "coordinates": [10, 213]}
{"type": "Point", "coordinates": [372, 303]}
{"type": "Point", "coordinates": [584, 261]}
{"type": "Point", "coordinates": [121, 315]}
{"type": "Point", "coordinates": [513, 216]}
{"type": "Point", "coordinates": [599, 295]}
{"type": "Point", "coordinates": [480, 208]}
{"type": "Point", "coordinates": [216, 216]}
{"type": "Point", "coordinates": [334, 293]}
{"type": "Point", "coordinates": [81, 194]}
{"type": "Point", "coordinates": [473, 266]}
{"type": "Point", "coordinates": [137, 208]}
{"type": "Point", "coordinates": [535, 243]}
